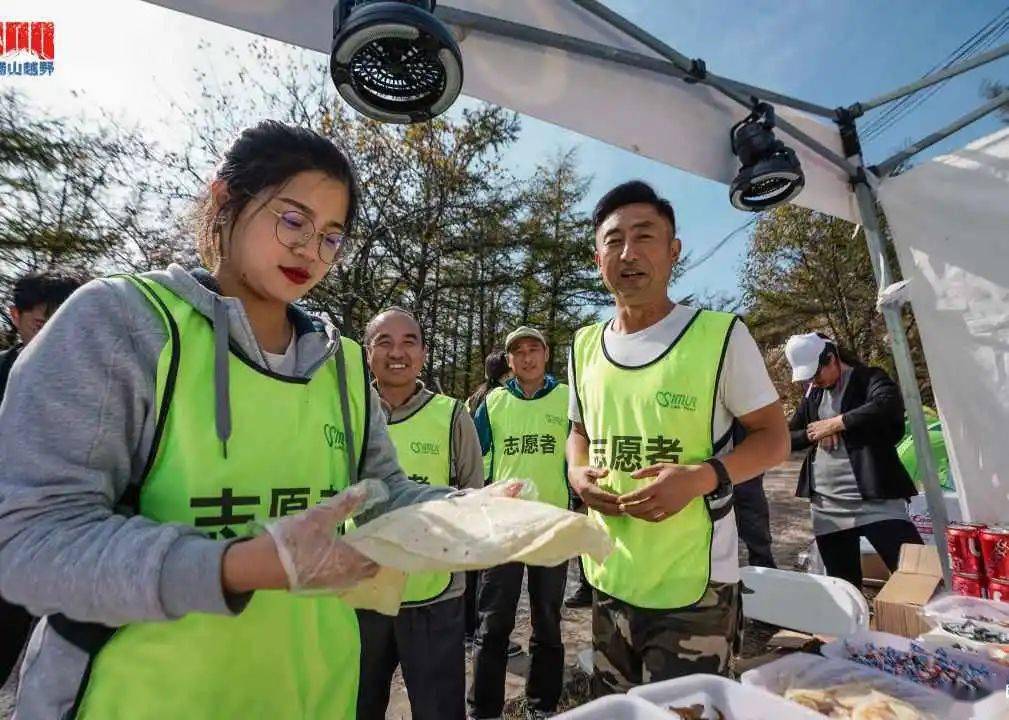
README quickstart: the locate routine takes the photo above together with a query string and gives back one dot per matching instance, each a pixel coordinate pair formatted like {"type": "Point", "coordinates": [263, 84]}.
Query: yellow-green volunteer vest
{"type": "Point", "coordinates": [284, 656]}
{"type": "Point", "coordinates": [636, 417]}
{"type": "Point", "coordinates": [528, 438]}
{"type": "Point", "coordinates": [424, 447]}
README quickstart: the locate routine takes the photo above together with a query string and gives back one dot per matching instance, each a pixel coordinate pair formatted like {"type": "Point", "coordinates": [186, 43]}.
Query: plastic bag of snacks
{"type": "Point", "coordinates": [959, 608]}
{"type": "Point", "coordinates": [969, 624]}
{"type": "Point", "coordinates": [845, 690]}
{"type": "Point", "coordinates": [962, 676]}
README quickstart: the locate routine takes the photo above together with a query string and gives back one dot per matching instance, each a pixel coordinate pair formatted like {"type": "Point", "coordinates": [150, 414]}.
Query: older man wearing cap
{"type": "Point", "coordinates": [852, 417]}
{"type": "Point", "coordinates": [522, 428]}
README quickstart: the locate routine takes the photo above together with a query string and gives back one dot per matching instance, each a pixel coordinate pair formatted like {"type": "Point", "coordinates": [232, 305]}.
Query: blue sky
{"type": "Point", "coordinates": [137, 58]}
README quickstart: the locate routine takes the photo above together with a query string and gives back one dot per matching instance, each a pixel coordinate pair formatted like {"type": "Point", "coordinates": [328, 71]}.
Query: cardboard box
{"type": "Point", "coordinates": [898, 605]}
{"type": "Point", "coordinates": [874, 570]}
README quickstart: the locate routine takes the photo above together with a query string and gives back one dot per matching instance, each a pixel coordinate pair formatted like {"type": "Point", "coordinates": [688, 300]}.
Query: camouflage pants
{"type": "Point", "coordinates": [633, 645]}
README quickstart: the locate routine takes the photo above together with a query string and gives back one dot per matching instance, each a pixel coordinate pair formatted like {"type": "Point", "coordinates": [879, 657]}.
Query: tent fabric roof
{"type": "Point", "coordinates": [679, 124]}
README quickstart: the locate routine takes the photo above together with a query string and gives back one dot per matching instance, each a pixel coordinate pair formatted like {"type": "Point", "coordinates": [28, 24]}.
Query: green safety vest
{"type": "Point", "coordinates": [636, 417]}
{"type": "Point", "coordinates": [284, 656]}
{"type": "Point", "coordinates": [424, 447]}
{"type": "Point", "coordinates": [528, 437]}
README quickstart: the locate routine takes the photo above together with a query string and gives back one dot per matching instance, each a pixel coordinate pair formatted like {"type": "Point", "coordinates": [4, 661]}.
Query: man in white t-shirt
{"type": "Point", "coordinates": [654, 394]}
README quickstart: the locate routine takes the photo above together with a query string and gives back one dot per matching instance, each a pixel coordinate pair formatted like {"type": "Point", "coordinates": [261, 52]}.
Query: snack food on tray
{"type": "Point", "coordinates": [854, 701]}
{"type": "Point", "coordinates": [978, 633]}
{"type": "Point", "coordinates": [962, 680]}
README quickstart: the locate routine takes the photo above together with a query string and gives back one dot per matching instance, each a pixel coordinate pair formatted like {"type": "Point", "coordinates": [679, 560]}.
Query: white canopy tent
{"type": "Point", "coordinates": [569, 61]}
{"type": "Point", "coordinates": [950, 222]}
{"type": "Point", "coordinates": [686, 126]}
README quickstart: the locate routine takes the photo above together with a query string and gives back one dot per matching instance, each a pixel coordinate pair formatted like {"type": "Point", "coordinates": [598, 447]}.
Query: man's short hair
{"type": "Point", "coordinates": [631, 193]}
{"type": "Point", "coordinates": [369, 329]}
{"type": "Point", "coordinates": [46, 288]}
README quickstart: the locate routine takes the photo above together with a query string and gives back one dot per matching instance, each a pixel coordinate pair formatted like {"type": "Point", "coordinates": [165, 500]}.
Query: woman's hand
{"type": "Point", "coordinates": [820, 429]}
{"type": "Point", "coordinates": [301, 552]}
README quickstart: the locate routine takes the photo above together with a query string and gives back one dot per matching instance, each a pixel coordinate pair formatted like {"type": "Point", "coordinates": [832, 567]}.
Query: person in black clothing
{"type": "Point", "coordinates": [496, 371]}
{"type": "Point", "coordinates": [753, 516]}
{"type": "Point", "coordinates": [36, 297]}
{"type": "Point", "coordinates": [852, 418]}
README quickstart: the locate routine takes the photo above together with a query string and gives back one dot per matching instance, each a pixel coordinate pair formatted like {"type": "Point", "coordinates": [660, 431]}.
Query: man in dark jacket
{"type": "Point", "coordinates": [852, 417]}
{"type": "Point", "coordinates": [36, 297]}
{"type": "Point", "coordinates": [753, 515]}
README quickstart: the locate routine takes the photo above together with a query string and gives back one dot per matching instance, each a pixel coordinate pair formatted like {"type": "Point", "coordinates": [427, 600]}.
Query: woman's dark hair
{"type": "Point", "coordinates": [264, 156]}
{"type": "Point", "coordinates": [631, 193]}
{"type": "Point", "coordinates": [495, 367]}
{"type": "Point", "coordinates": [833, 349]}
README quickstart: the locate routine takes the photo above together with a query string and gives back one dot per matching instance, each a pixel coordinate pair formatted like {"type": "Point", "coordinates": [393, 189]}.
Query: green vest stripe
{"type": "Point", "coordinates": [284, 655]}
{"type": "Point", "coordinates": [639, 416]}
{"type": "Point", "coordinates": [528, 438]}
{"type": "Point", "coordinates": [424, 448]}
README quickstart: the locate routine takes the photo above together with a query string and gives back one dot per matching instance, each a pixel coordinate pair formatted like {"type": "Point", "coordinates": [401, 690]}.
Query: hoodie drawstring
{"type": "Point", "coordinates": [222, 394]}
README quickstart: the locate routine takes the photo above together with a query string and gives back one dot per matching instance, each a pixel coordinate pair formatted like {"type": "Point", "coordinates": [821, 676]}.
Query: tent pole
{"type": "Point", "coordinates": [890, 164]}
{"type": "Point", "coordinates": [905, 371]}
{"type": "Point", "coordinates": [694, 68]}
{"type": "Point", "coordinates": [861, 108]}
{"type": "Point", "coordinates": [568, 43]}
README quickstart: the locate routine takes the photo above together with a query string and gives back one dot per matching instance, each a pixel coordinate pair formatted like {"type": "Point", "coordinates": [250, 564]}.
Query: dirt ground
{"type": "Point", "coordinates": [790, 528]}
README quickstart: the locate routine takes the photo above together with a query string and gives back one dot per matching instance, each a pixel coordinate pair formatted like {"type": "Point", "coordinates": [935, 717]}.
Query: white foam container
{"type": "Point", "coordinates": [778, 676]}
{"type": "Point", "coordinates": [616, 707]}
{"type": "Point", "coordinates": [736, 701]}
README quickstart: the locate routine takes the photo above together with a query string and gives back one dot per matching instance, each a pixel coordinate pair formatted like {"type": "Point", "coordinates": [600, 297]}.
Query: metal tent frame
{"type": "Point", "coordinates": [863, 178]}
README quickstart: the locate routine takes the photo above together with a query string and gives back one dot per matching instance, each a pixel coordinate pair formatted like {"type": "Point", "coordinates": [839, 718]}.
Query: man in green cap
{"type": "Point", "coordinates": [522, 429]}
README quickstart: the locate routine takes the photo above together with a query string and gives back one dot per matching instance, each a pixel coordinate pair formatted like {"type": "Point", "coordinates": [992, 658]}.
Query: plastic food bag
{"type": "Point", "coordinates": [809, 677]}
{"type": "Point", "coordinates": [468, 531]}
{"type": "Point", "coordinates": [959, 608]}
{"type": "Point", "coordinates": [969, 624]}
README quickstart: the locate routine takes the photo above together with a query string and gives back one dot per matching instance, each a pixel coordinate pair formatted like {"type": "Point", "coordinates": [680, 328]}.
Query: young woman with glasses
{"type": "Point", "coordinates": [159, 418]}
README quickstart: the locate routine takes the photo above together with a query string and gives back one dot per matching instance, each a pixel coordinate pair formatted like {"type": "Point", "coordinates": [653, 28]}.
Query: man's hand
{"type": "Point", "coordinates": [820, 429]}
{"type": "Point", "coordinates": [674, 487]}
{"type": "Point", "coordinates": [584, 481]}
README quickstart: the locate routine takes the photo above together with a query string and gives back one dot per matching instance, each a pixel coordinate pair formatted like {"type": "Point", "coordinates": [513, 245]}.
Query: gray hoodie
{"type": "Point", "coordinates": [76, 428]}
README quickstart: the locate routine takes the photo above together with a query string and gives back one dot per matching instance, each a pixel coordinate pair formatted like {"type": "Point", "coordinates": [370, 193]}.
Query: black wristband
{"type": "Point", "coordinates": [724, 486]}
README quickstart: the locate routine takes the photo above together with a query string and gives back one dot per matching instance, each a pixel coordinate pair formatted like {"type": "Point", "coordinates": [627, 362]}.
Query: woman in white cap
{"type": "Point", "coordinates": [852, 417]}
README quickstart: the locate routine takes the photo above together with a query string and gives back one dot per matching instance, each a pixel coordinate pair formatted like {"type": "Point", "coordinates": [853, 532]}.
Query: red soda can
{"type": "Point", "coordinates": [995, 551]}
{"type": "Point", "coordinates": [964, 546]}
{"type": "Point", "coordinates": [970, 585]}
{"type": "Point", "coordinates": [998, 589]}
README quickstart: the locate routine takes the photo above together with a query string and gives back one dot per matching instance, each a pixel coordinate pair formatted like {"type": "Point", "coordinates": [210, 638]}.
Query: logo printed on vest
{"type": "Point", "coordinates": [676, 401]}
{"type": "Point", "coordinates": [556, 420]}
{"type": "Point", "coordinates": [335, 437]}
{"type": "Point", "coordinates": [425, 448]}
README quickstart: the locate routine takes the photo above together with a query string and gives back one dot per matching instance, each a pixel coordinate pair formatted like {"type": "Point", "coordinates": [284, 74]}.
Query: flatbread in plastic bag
{"type": "Point", "coordinates": [467, 532]}
{"type": "Point", "coordinates": [838, 688]}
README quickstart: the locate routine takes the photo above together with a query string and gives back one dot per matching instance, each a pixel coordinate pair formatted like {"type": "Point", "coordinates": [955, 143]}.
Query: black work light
{"type": "Point", "coordinates": [770, 173]}
{"type": "Point", "coordinates": [393, 60]}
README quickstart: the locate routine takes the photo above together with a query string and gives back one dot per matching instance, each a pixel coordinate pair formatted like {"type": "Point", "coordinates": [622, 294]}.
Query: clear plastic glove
{"type": "Point", "coordinates": [314, 556]}
{"type": "Point", "coordinates": [521, 489]}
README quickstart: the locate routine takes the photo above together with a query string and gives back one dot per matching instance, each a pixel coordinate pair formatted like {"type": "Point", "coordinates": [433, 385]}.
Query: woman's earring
{"type": "Point", "coordinates": [219, 223]}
